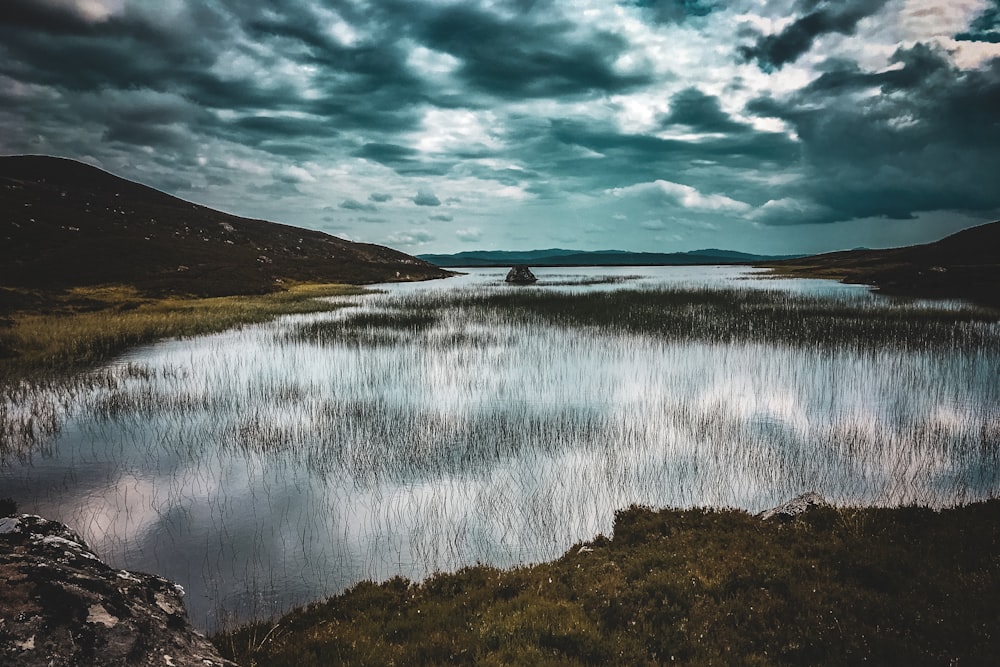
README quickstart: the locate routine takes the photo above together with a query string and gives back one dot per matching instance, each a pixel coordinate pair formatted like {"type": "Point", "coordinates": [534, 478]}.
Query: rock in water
{"type": "Point", "coordinates": [521, 275]}
{"type": "Point", "coordinates": [61, 605]}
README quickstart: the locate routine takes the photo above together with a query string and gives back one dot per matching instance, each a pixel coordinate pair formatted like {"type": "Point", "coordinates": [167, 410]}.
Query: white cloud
{"type": "Point", "coordinates": [469, 234]}
{"type": "Point", "coordinates": [447, 130]}
{"type": "Point", "coordinates": [94, 11]}
{"type": "Point", "coordinates": [925, 20]}
{"type": "Point", "coordinates": [789, 210]}
{"type": "Point", "coordinates": [336, 27]}
{"type": "Point", "coordinates": [295, 174]}
{"type": "Point", "coordinates": [410, 238]}
{"type": "Point", "coordinates": [430, 62]}
{"type": "Point", "coordinates": [685, 196]}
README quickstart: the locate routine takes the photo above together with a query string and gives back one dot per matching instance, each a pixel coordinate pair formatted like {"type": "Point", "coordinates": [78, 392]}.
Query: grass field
{"type": "Point", "coordinates": [66, 332]}
{"type": "Point", "coordinates": [904, 586]}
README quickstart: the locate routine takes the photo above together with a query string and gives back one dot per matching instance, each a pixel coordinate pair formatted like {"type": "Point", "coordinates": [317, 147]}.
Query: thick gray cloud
{"type": "Point", "coordinates": [676, 11]}
{"type": "Point", "coordinates": [986, 26]}
{"type": "Point", "coordinates": [522, 56]}
{"type": "Point", "coordinates": [634, 121]}
{"type": "Point", "coordinates": [426, 198]}
{"type": "Point", "coordinates": [695, 109]}
{"type": "Point", "coordinates": [927, 141]}
{"type": "Point", "coordinates": [824, 16]}
{"type": "Point", "coordinates": [355, 205]}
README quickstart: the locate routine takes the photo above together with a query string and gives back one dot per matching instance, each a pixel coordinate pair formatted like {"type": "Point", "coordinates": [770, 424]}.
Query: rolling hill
{"type": "Point", "coordinates": [964, 265]}
{"type": "Point", "coordinates": [64, 223]}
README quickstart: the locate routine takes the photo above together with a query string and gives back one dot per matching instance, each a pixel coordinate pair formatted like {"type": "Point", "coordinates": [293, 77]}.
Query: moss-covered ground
{"type": "Point", "coordinates": [904, 586]}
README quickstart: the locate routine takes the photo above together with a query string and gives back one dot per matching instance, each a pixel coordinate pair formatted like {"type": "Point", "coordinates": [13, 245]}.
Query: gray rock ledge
{"type": "Point", "coordinates": [795, 506]}
{"type": "Point", "coordinates": [61, 605]}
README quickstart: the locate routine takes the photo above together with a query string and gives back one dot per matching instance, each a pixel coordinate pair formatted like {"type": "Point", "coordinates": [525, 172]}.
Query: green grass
{"type": "Point", "coordinates": [837, 586]}
{"type": "Point", "coordinates": [65, 333]}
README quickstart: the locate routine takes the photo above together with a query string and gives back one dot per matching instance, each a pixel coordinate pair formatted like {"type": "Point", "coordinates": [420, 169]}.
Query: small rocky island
{"type": "Point", "coordinates": [520, 274]}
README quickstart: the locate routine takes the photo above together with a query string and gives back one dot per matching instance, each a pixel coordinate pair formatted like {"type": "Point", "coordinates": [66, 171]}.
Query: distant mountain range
{"type": "Point", "coordinates": [64, 224]}
{"type": "Point", "coordinates": [562, 257]}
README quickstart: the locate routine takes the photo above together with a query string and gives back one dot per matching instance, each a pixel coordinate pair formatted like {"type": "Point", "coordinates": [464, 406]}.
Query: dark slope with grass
{"type": "Point", "coordinates": [66, 224]}
{"type": "Point", "coordinates": [904, 586]}
{"type": "Point", "coordinates": [965, 265]}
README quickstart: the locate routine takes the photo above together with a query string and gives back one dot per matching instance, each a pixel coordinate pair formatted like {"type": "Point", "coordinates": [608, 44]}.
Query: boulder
{"type": "Point", "coordinates": [520, 274]}
{"type": "Point", "coordinates": [61, 605]}
{"type": "Point", "coordinates": [795, 506]}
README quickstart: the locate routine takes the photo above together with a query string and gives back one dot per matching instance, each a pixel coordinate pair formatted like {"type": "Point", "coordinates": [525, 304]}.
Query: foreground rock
{"type": "Point", "coordinates": [521, 275]}
{"type": "Point", "coordinates": [61, 605]}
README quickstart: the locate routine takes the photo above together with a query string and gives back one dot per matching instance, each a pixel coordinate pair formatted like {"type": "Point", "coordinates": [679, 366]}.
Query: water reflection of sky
{"type": "Point", "coordinates": [262, 472]}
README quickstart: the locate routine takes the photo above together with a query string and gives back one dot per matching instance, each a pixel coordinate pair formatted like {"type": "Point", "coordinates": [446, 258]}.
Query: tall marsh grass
{"type": "Point", "coordinates": [51, 353]}
{"type": "Point", "coordinates": [429, 428]}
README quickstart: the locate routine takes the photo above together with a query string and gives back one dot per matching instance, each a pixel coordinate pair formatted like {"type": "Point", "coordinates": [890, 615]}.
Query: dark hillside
{"type": "Point", "coordinates": [64, 223]}
{"type": "Point", "coordinates": [964, 265]}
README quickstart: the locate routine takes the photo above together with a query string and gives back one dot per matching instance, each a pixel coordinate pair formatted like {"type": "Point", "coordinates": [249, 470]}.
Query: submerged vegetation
{"type": "Point", "coordinates": [831, 587]}
{"type": "Point", "coordinates": [432, 428]}
{"type": "Point", "coordinates": [750, 315]}
{"type": "Point", "coordinates": [51, 344]}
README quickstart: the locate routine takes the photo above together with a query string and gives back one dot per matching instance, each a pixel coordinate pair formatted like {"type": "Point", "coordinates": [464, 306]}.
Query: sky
{"type": "Point", "coordinates": [786, 126]}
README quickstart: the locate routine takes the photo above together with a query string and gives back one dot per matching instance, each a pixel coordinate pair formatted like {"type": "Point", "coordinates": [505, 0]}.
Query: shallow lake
{"type": "Point", "coordinates": [430, 426]}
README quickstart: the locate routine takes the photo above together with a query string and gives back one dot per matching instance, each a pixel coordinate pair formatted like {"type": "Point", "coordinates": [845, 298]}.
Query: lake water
{"type": "Point", "coordinates": [266, 467]}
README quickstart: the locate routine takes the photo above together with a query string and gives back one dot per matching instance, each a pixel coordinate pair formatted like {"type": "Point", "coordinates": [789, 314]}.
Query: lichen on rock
{"type": "Point", "coordinates": [795, 506]}
{"type": "Point", "coordinates": [61, 605]}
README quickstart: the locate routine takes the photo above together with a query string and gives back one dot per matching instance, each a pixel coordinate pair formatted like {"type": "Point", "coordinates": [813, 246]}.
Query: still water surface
{"type": "Point", "coordinates": [261, 471]}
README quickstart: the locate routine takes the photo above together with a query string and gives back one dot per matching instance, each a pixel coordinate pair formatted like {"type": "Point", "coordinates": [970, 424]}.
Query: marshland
{"type": "Point", "coordinates": [427, 427]}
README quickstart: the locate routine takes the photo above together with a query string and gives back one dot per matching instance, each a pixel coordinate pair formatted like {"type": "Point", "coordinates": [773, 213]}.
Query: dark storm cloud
{"type": "Point", "coordinates": [626, 158]}
{"type": "Point", "coordinates": [526, 55]}
{"type": "Point", "coordinates": [825, 16]}
{"type": "Point", "coordinates": [508, 100]}
{"type": "Point", "coordinates": [127, 51]}
{"type": "Point", "coordinates": [34, 15]}
{"type": "Point", "coordinates": [365, 86]}
{"type": "Point", "coordinates": [675, 11]}
{"type": "Point", "coordinates": [402, 159]}
{"type": "Point", "coordinates": [927, 141]}
{"type": "Point", "coordinates": [985, 27]}
{"type": "Point", "coordinates": [265, 128]}
{"type": "Point", "coordinates": [700, 112]}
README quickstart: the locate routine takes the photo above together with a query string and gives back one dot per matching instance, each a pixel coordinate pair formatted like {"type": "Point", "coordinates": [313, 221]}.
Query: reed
{"type": "Point", "coordinates": [429, 428]}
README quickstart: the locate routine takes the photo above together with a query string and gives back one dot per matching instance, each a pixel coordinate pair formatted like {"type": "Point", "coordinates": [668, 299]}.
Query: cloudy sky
{"type": "Point", "coordinates": [448, 125]}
